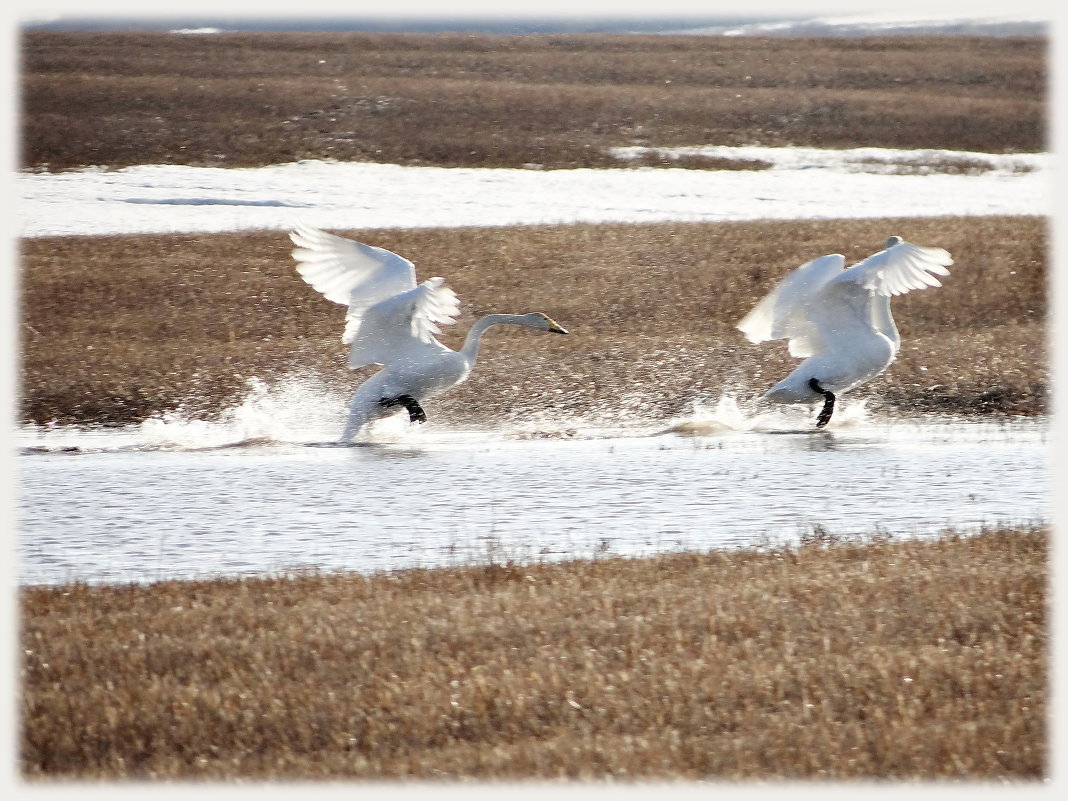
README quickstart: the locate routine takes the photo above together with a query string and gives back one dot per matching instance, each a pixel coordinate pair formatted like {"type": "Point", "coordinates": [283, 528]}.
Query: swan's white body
{"type": "Point", "coordinates": [838, 320]}
{"type": "Point", "coordinates": [391, 321]}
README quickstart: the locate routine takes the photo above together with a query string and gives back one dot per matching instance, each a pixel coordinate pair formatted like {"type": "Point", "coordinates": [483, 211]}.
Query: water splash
{"type": "Point", "coordinates": [729, 416]}
{"type": "Point", "coordinates": [291, 410]}
{"type": "Point", "coordinates": [304, 410]}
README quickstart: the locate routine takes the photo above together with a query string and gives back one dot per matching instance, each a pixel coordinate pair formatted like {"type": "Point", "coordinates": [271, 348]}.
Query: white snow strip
{"type": "Point", "coordinates": [803, 183]}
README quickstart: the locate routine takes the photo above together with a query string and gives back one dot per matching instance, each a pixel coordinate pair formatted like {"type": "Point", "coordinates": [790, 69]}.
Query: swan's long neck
{"type": "Point", "coordinates": [883, 320]}
{"type": "Point", "coordinates": [474, 336]}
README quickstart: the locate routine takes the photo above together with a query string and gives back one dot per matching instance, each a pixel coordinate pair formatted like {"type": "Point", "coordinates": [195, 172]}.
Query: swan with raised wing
{"type": "Point", "coordinates": [838, 319]}
{"type": "Point", "coordinates": [391, 321]}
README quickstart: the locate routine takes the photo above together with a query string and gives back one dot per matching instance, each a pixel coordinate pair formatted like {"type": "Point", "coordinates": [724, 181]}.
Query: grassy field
{"type": "Point", "coordinates": [651, 308]}
{"type": "Point", "coordinates": [504, 101]}
{"type": "Point", "coordinates": [830, 660]}
{"type": "Point", "coordinates": [835, 660]}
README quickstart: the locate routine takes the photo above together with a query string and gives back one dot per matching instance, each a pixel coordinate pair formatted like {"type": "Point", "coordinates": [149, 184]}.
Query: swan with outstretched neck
{"type": "Point", "coordinates": [838, 319]}
{"type": "Point", "coordinates": [391, 321]}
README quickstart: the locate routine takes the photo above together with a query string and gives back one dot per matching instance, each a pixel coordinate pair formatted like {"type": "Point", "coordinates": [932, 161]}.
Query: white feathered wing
{"type": "Point", "coordinates": [811, 304]}
{"type": "Point", "coordinates": [389, 317]}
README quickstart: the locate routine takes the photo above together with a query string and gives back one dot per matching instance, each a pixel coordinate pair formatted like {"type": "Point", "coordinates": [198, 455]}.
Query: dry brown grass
{"type": "Point", "coordinates": [555, 100]}
{"type": "Point", "coordinates": [829, 660]}
{"type": "Point", "coordinates": [116, 329]}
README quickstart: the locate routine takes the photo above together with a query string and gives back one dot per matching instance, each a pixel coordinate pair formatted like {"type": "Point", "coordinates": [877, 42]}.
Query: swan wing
{"type": "Point", "coordinates": [401, 327]}
{"type": "Point", "coordinates": [349, 272]}
{"type": "Point", "coordinates": [787, 311]}
{"type": "Point", "coordinates": [863, 291]}
{"type": "Point", "coordinates": [899, 268]}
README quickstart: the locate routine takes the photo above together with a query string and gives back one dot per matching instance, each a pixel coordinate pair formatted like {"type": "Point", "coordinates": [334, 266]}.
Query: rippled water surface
{"type": "Point", "coordinates": [187, 502]}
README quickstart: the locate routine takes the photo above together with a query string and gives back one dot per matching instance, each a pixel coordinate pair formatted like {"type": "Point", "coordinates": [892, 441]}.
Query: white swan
{"type": "Point", "coordinates": [839, 320]}
{"type": "Point", "coordinates": [391, 321]}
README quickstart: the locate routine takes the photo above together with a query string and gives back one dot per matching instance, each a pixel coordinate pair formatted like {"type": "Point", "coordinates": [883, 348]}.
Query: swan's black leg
{"type": "Point", "coordinates": [828, 403]}
{"type": "Point", "coordinates": [415, 411]}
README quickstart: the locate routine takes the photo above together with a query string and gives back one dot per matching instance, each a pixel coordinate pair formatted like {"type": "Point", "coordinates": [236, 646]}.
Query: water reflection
{"type": "Point", "coordinates": [811, 440]}
{"type": "Point", "coordinates": [388, 450]}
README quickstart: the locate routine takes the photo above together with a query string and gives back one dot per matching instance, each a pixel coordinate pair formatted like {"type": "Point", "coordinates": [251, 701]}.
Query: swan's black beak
{"type": "Point", "coordinates": [555, 327]}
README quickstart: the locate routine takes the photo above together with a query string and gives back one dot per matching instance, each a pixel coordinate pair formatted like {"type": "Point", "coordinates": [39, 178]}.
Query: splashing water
{"type": "Point", "coordinates": [294, 409]}
{"type": "Point", "coordinates": [729, 416]}
{"type": "Point", "coordinates": [303, 410]}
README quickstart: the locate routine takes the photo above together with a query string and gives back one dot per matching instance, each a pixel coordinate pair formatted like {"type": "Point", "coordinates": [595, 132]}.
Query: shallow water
{"type": "Point", "coordinates": [186, 499]}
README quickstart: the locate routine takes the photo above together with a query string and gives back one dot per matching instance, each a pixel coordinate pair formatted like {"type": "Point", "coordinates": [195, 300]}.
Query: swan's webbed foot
{"type": "Point", "coordinates": [828, 403]}
{"type": "Point", "coordinates": [415, 411]}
